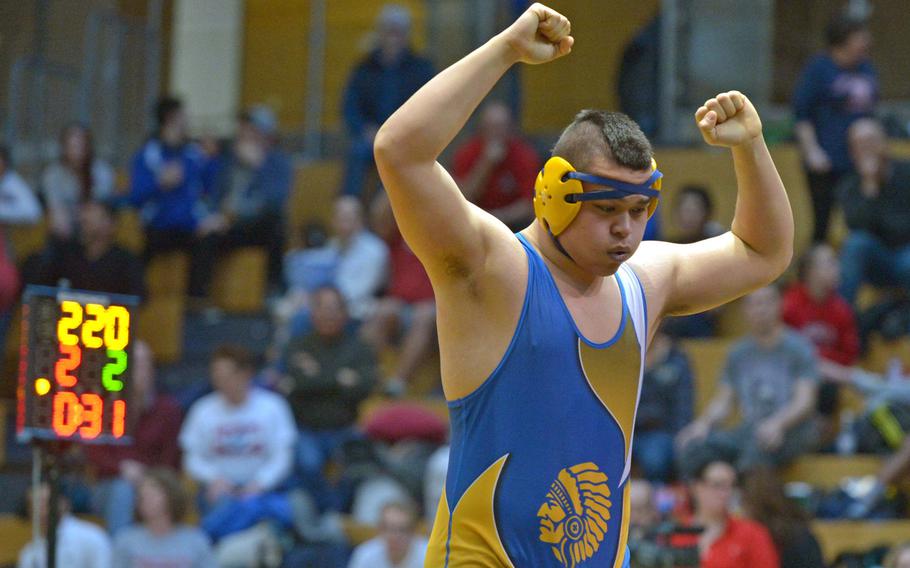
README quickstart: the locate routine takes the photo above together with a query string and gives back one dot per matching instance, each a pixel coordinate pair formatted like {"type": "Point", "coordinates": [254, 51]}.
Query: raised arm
{"type": "Point", "coordinates": [440, 225]}
{"type": "Point", "coordinates": [692, 278]}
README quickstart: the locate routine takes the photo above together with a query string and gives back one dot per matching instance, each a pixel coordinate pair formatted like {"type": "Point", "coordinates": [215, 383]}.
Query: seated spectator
{"type": "Point", "coordinates": [876, 203]}
{"type": "Point", "coordinates": [378, 85]}
{"type": "Point", "coordinates": [398, 545]}
{"type": "Point", "coordinates": [881, 394]}
{"type": "Point", "coordinates": [693, 212]}
{"type": "Point", "coordinates": [76, 177]}
{"type": "Point", "coordinates": [330, 371]}
{"type": "Point", "coordinates": [18, 206]}
{"type": "Point", "coordinates": [813, 307]}
{"type": "Point", "coordinates": [160, 539]}
{"type": "Point", "coordinates": [80, 544]}
{"type": "Point", "coordinates": [725, 541]}
{"type": "Point", "coordinates": [354, 260]}
{"type": "Point", "coordinates": [666, 406]}
{"type": "Point", "coordinates": [93, 262]}
{"type": "Point", "coordinates": [118, 469]}
{"type": "Point", "coordinates": [238, 445]}
{"type": "Point", "coordinates": [408, 309]}
{"type": "Point", "coordinates": [169, 177]}
{"type": "Point", "coordinates": [764, 501]}
{"type": "Point", "coordinates": [496, 168]}
{"type": "Point", "coordinates": [772, 376]}
{"type": "Point", "coordinates": [251, 189]}
{"type": "Point", "coordinates": [898, 557]}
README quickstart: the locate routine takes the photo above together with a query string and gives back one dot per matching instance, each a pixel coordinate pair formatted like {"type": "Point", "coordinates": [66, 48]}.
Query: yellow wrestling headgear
{"type": "Point", "coordinates": [558, 192]}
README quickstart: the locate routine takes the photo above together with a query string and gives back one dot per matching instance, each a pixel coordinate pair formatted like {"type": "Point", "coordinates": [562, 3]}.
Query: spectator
{"type": "Point", "coordinates": [76, 177]}
{"type": "Point", "coordinates": [836, 88]}
{"type": "Point", "coordinates": [693, 212]}
{"type": "Point", "coordinates": [18, 206]}
{"type": "Point", "coordinates": [496, 168]}
{"type": "Point", "coordinates": [881, 394]}
{"type": "Point", "coordinates": [409, 307]}
{"type": "Point", "coordinates": [877, 206]}
{"type": "Point", "coordinates": [160, 539]}
{"type": "Point", "coordinates": [898, 557]}
{"type": "Point", "coordinates": [238, 445]}
{"type": "Point", "coordinates": [169, 178]}
{"type": "Point", "coordinates": [665, 407]}
{"type": "Point", "coordinates": [397, 546]}
{"type": "Point", "coordinates": [765, 502]}
{"type": "Point", "coordinates": [118, 468]}
{"type": "Point", "coordinates": [251, 189]}
{"type": "Point", "coordinates": [434, 482]}
{"type": "Point", "coordinates": [772, 374]}
{"type": "Point", "coordinates": [644, 515]}
{"type": "Point", "coordinates": [80, 544]}
{"type": "Point", "coordinates": [355, 261]}
{"type": "Point", "coordinates": [362, 257]}
{"type": "Point", "coordinates": [813, 306]}
{"type": "Point", "coordinates": [726, 541]}
{"type": "Point", "coordinates": [381, 83]}
{"type": "Point", "coordinates": [330, 371]}
{"type": "Point", "coordinates": [93, 262]}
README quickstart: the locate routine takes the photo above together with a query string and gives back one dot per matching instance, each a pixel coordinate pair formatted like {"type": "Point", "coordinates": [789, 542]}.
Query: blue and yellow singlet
{"type": "Point", "coordinates": [539, 463]}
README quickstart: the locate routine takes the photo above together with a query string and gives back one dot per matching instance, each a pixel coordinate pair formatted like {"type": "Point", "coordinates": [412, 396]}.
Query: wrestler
{"type": "Point", "coordinates": [542, 334]}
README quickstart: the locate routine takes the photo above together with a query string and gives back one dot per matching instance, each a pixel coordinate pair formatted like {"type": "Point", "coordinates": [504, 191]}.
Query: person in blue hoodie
{"type": "Point", "coordinates": [169, 177]}
{"type": "Point", "coordinates": [837, 87]}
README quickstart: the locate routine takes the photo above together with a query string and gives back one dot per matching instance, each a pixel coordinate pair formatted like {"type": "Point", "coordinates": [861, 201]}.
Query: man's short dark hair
{"type": "Point", "coordinates": [840, 28]}
{"type": "Point", "coordinates": [598, 133]}
{"type": "Point", "coordinates": [240, 356]}
{"type": "Point", "coordinates": [165, 108]}
{"type": "Point", "coordinates": [699, 193]}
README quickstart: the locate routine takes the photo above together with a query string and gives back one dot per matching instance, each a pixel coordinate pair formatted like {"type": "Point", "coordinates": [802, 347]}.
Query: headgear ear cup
{"type": "Point", "coordinates": [652, 205]}
{"type": "Point", "coordinates": [550, 191]}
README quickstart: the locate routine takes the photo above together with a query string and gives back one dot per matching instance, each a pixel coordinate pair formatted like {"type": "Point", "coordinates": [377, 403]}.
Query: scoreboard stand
{"type": "Point", "coordinates": [74, 382]}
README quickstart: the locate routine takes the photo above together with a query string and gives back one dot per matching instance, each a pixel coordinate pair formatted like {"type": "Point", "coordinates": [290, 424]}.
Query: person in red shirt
{"type": "Point", "coordinates": [813, 306]}
{"type": "Point", "coordinates": [408, 310]}
{"type": "Point", "coordinates": [726, 540]}
{"type": "Point", "coordinates": [119, 469]}
{"type": "Point", "coordinates": [496, 168]}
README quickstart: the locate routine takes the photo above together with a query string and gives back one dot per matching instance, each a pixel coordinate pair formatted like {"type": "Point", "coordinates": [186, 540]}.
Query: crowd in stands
{"type": "Point", "coordinates": [276, 458]}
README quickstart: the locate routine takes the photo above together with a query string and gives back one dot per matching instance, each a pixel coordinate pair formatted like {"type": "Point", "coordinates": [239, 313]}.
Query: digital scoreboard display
{"type": "Point", "coordinates": [74, 366]}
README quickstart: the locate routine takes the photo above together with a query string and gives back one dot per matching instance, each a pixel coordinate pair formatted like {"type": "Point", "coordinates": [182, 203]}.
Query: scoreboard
{"type": "Point", "coordinates": [74, 366]}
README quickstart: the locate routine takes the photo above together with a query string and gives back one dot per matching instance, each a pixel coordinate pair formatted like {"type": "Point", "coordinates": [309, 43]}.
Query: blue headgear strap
{"type": "Point", "coordinates": [619, 190]}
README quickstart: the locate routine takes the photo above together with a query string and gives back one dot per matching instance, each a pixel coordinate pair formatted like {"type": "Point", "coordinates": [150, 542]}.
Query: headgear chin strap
{"type": "Point", "coordinates": [558, 192]}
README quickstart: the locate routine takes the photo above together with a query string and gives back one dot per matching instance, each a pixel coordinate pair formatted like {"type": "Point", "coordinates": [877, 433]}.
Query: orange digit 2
{"type": "Point", "coordinates": [70, 363]}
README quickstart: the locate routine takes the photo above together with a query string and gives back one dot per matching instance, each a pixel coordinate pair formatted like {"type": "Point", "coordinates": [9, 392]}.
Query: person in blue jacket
{"type": "Point", "coordinates": [381, 83]}
{"type": "Point", "coordinates": [169, 177]}
{"type": "Point", "coordinates": [837, 87]}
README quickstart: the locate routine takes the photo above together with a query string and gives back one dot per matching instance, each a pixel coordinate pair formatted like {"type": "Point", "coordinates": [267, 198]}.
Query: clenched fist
{"type": "Point", "coordinates": [728, 119]}
{"type": "Point", "coordinates": [539, 35]}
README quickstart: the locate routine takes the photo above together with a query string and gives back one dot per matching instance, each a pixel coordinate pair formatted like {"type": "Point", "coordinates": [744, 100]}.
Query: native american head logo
{"type": "Point", "coordinates": [574, 517]}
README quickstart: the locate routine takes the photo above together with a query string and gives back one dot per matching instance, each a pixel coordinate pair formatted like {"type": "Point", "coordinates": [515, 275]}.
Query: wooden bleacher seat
{"type": "Point", "coordinates": [161, 326]}
{"type": "Point", "coordinates": [167, 275]}
{"type": "Point", "coordinates": [240, 280]}
{"type": "Point", "coordinates": [825, 471]}
{"type": "Point", "coordinates": [17, 532]}
{"type": "Point", "coordinates": [129, 233]}
{"type": "Point", "coordinates": [881, 352]}
{"type": "Point", "coordinates": [315, 186]}
{"type": "Point", "coordinates": [27, 240]}
{"type": "Point", "coordinates": [836, 537]}
{"type": "Point", "coordinates": [707, 357]}
{"type": "Point", "coordinates": [425, 381]}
